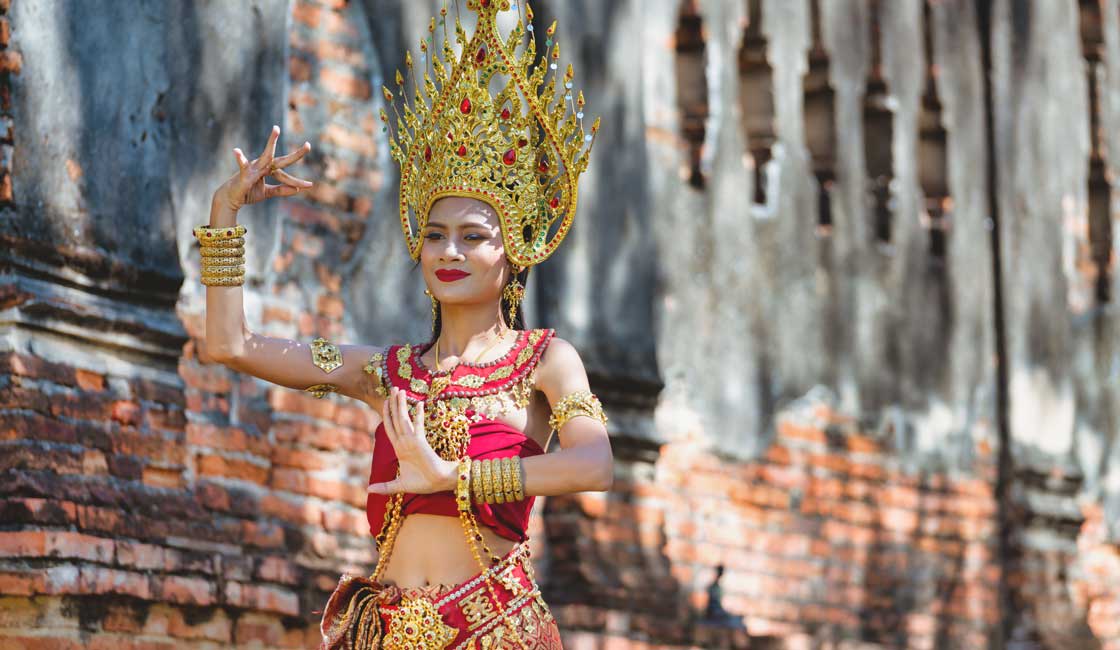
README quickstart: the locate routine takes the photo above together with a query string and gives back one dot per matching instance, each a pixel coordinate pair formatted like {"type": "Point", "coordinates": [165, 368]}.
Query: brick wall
{"type": "Point", "coordinates": [151, 508]}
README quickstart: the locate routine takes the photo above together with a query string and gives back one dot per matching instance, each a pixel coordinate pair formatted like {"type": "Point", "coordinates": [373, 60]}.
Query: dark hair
{"type": "Point", "coordinates": [518, 319]}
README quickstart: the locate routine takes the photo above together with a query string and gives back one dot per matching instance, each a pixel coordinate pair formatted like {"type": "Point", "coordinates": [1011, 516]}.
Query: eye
{"type": "Point", "coordinates": [433, 236]}
{"type": "Point", "coordinates": [475, 237]}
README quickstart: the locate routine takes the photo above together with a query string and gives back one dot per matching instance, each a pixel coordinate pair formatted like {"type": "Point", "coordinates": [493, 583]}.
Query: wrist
{"type": "Point", "coordinates": [222, 212]}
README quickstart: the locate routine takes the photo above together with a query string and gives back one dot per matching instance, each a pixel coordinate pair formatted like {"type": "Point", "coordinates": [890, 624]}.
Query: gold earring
{"type": "Point", "coordinates": [513, 293]}
{"type": "Point", "coordinates": [435, 306]}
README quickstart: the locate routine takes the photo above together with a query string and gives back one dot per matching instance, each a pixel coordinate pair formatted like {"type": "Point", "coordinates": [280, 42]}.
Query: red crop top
{"type": "Point", "coordinates": [487, 391]}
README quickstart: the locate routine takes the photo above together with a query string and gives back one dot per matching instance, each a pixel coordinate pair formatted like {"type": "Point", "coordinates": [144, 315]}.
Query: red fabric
{"type": "Point", "coordinates": [489, 439]}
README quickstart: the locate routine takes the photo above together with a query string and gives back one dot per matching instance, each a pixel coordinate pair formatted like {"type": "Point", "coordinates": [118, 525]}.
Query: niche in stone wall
{"type": "Point", "coordinates": [756, 96]}
{"type": "Point", "coordinates": [878, 135]}
{"type": "Point", "coordinates": [820, 121]}
{"type": "Point", "coordinates": [692, 88]}
{"type": "Point", "coordinates": [933, 158]}
{"type": "Point", "coordinates": [1100, 251]}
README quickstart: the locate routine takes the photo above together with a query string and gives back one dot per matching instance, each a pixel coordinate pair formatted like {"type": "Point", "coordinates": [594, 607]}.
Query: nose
{"type": "Point", "coordinates": [450, 251]}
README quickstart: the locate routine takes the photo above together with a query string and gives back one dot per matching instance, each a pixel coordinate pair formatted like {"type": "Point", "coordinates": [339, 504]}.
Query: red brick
{"type": "Point", "coordinates": [303, 458]}
{"type": "Point", "coordinates": [299, 482]}
{"type": "Point", "coordinates": [344, 84]}
{"type": "Point", "coordinates": [211, 378]}
{"type": "Point", "coordinates": [356, 142]}
{"type": "Point", "coordinates": [264, 598]}
{"type": "Point", "coordinates": [89, 380]}
{"type": "Point", "coordinates": [11, 62]}
{"type": "Point", "coordinates": [235, 468]}
{"type": "Point", "coordinates": [308, 14]}
{"type": "Point", "coordinates": [227, 439]}
{"type": "Point", "coordinates": [125, 412]}
{"type": "Point", "coordinates": [298, 69]}
{"type": "Point", "coordinates": [183, 590]}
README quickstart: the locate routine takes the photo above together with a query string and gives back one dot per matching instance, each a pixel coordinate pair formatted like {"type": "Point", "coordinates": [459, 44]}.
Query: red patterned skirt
{"type": "Point", "coordinates": [498, 608]}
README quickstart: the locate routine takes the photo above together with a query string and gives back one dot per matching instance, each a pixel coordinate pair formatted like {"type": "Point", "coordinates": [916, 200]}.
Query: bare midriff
{"type": "Point", "coordinates": [432, 550]}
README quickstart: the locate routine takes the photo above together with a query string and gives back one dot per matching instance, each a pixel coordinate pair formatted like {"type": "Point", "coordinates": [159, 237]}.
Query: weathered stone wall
{"type": "Point", "coordinates": [783, 279]}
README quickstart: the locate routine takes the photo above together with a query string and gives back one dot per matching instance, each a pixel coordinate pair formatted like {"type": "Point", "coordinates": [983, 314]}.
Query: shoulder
{"type": "Point", "coordinates": [561, 369]}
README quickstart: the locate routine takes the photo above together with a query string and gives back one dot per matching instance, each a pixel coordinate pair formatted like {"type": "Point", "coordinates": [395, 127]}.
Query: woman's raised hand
{"type": "Point", "coordinates": [248, 184]}
{"type": "Point", "coordinates": [422, 471]}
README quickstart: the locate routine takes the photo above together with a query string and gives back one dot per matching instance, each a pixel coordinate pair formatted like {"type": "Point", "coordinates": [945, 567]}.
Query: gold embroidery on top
{"type": "Point", "coordinates": [501, 373]}
{"type": "Point", "coordinates": [470, 381]}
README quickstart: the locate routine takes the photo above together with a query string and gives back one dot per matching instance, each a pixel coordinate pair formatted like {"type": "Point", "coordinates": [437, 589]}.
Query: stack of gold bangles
{"type": "Point", "coordinates": [223, 255]}
{"type": "Point", "coordinates": [491, 480]}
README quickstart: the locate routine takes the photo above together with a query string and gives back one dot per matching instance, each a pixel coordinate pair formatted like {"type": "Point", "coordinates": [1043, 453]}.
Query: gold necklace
{"type": "Point", "coordinates": [497, 338]}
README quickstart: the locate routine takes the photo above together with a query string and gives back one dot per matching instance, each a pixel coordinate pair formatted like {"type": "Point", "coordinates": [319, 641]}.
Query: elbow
{"type": "Point", "coordinates": [605, 475]}
{"type": "Point", "coordinates": [229, 355]}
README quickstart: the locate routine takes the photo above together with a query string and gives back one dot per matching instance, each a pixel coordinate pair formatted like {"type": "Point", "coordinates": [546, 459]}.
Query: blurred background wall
{"type": "Point", "coordinates": [854, 323]}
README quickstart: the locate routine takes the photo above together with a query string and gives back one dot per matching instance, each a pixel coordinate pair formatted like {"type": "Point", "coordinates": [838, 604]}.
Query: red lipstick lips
{"type": "Point", "coordinates": [451, 275]}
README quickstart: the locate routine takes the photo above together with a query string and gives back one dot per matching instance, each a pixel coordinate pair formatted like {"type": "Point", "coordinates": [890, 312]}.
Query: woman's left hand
{"type": "Point", "coordinates": [422, 471]}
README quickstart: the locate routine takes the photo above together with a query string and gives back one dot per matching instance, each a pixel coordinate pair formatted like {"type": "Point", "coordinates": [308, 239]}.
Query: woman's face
{"type": "Point", "coordinates": [463, 259]}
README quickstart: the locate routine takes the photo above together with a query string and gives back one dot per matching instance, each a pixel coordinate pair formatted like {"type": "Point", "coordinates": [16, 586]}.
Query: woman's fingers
{"type": "Point", "coordinates": [400, 414]}
{"type": "Point", "coordinates": [274, 191]}
{"type": "Point", "coordinates": [270, 148]}
{"type": "Point", "coordinates": [388, 487]}
{"type": "Point", "coordinates": [289, 158]}
{"type": "Point", "coordinates": [242, 161]}
{"type": "Point", "coordinates": [288, 179]}
{"type": "Point", "coordinates": [390, 425]}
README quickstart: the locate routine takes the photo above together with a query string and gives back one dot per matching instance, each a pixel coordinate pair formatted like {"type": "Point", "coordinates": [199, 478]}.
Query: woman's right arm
{"type": "Point", "coordinates": [229, 340]}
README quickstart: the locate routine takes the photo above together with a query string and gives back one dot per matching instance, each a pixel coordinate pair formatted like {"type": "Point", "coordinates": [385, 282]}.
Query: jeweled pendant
{"type": "Point", "coordinates": [510, 157]}
{"type": "Point", "coordinates": [465, 106]}
{"type": "Point", "coordinates": [462, 151]}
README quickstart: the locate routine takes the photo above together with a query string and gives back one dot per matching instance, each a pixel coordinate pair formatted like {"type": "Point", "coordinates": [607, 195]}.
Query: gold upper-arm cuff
{"type": "Point", "coordinates": [325, 355]}
{"type": "Point", "coordinates": [581, 402]}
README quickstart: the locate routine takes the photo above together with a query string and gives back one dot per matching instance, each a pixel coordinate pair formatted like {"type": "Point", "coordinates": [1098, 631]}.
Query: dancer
{"type": "Point", "coordinates": [488, 189]}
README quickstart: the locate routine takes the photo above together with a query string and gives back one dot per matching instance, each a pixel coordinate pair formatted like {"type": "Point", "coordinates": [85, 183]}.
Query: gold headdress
{"type": "Point", "coordinates": [519, 150]}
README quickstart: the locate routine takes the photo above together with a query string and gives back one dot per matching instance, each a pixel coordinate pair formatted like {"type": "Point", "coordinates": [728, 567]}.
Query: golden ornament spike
{"type": "Point", "coordinates": [408, 59]}
{"type": "Point", "coordinates": [399, 80]}
{"type": "Point", "coordinates": [579, 100]}
{"type": "Point", "coordinates": [388, 95]}
{"type": "Point", "coordinates": [551, 29]}
{"type": "Point", "coordinates": [493, 121]}
{"type": "Point", "coordinates": [432, 25]}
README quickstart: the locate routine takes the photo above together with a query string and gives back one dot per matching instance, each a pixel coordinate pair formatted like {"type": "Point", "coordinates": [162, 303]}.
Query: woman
{"type": "Point", "coordinates": [488, 188]}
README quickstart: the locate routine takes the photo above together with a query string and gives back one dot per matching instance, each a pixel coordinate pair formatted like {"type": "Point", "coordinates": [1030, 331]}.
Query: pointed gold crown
{"type": "Point", "coordinates": [521, 149]}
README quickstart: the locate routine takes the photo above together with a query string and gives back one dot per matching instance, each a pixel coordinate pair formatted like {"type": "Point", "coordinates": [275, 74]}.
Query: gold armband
{"type": "Point", "coordinates": [320, 390]}
{"type": "Point", "coordinates": [325, 355]}
{"type": "Point", "coordinates": [581, 402]}
{"type": "Point", "coordinates": [373, 369]}
{"type": "Point", "coordinates": [463, 485]}
{"type": "Point", "coordinates": [207, 235]}
{"type": "Point", "coordinates": [223, 255]}
{"type": "Point", "coordinates": [228, 250]}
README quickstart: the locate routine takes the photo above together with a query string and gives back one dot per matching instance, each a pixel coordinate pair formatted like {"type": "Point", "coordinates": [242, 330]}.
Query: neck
{"type": "Point", "coordinates": [468, 326]}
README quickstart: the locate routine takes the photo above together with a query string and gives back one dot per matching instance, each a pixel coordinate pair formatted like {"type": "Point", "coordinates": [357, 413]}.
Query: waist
{"type": "Point", "coordinates": [433, 550]}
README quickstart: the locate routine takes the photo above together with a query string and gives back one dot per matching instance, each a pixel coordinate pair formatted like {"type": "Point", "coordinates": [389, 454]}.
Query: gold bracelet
{"type": "Point", "coordinates": [221, 251]}
{"type": "Point", "coordinates": [519, 480]}
{"type": "Point", "coordinates": [507, 479]}
{"type": "Point", "coordinates": [222, 261]}
{"type": "Point", "coordinates": [476, 481]}
{"type": "Point", "coordinates": [210, 244]}
{"type": "Point", "coordinates": [223, 271]}
{"type": "Point", "coordinates": [463, 485]}
{"type": "Point", "coordinates": [223, 282]}
{"type": "Point", "coordinates": [488, 495]}
{"type": "Point", "coordinates": [210, 234]}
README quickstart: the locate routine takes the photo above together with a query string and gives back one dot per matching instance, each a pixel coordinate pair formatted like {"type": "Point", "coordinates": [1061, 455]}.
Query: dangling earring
{"type": "Point", "coordinates": [513, 293]}
{"type": "Point", "coordinates": [435, 307]}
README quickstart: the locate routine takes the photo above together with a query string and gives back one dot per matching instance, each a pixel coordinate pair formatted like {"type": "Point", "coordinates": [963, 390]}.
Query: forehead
{"type": "Point", "coordinates": [457, 211]}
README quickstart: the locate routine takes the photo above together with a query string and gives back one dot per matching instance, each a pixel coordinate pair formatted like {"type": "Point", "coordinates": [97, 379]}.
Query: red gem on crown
{"type": "Point", "coordinates": [462, 150]}
{"type": "Point", "coordinates": [510, 157]}
{"type": "Point", "coordinates": [465, 106]}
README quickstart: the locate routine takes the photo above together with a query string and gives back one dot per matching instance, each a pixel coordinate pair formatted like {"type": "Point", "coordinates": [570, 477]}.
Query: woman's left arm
{"type": "Point", "coordinates": [584, 461]}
